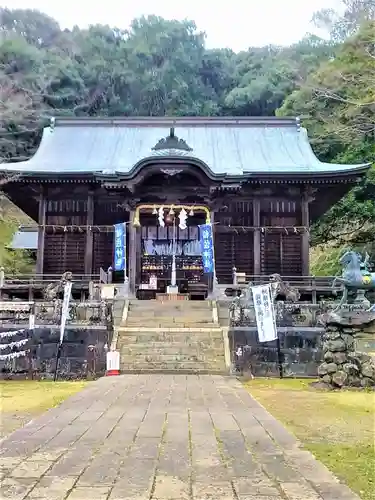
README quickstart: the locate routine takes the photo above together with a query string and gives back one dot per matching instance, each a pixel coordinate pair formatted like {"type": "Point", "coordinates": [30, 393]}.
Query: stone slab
{"type": "Point", "coordinates": [165, 437]}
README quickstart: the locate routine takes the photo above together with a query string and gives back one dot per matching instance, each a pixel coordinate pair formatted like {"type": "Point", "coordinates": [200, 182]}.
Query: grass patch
{"type": "Point", "coordinates": [20, 401]}
{"type": "Point", "coordinates": [337, 427]}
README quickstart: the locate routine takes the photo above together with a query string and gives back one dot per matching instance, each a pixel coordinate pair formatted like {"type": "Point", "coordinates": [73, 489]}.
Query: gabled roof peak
{"type": "Point", "coordinates": [173, 144]}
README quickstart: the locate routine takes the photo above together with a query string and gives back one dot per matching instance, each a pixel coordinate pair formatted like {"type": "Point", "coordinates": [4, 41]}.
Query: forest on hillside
{"type": "Point", "coordinates": [161, 67]}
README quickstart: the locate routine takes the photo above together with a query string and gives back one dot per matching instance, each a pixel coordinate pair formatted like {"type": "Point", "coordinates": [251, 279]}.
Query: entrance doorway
{"type": "Point", "coordinates": [170, 255]}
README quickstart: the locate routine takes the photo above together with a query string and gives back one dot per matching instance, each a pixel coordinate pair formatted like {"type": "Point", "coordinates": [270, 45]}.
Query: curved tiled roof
{"type": "Point", "coordinates": [229, 146]}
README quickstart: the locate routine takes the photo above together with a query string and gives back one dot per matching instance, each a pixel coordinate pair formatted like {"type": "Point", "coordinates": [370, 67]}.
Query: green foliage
{"type": "Point", "coordinates": [337, 103]}
{"type": "Point", "coordinates": [342, 25]}
{"type": "Point", "coordinates": [324, 260]}
{"type": "Point", "coordinates": [13, 261]}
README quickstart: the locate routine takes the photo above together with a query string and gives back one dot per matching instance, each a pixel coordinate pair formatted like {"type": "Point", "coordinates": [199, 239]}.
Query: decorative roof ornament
{"type": "Point", "coordinates": [172, 146]}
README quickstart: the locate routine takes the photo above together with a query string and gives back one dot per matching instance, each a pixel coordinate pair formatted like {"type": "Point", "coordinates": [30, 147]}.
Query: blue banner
{"type": "Point", "coordinates": [206, 241]}
{"type": "Point", "coordinates": [120, 247]}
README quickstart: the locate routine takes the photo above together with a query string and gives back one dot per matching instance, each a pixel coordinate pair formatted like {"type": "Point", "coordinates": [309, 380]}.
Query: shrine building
{"type": "Point", "coordinates": [256, 180]}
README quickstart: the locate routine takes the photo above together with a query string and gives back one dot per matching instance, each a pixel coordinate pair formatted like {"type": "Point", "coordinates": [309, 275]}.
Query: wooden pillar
{"type": "Point", "coordinates": [256, 242]}
{"type": "Point", "coordinates": [132, 264]}
{"type": "Point", "coordinates": [305, 244]}
{"type": "Point", "coordinates": [41, 230]}
{"type": "Point", "coordinates": [89, 233]}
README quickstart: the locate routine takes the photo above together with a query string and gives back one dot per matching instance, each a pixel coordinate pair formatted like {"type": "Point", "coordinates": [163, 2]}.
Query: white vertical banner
{"type": "Point", "coordinates": [32, 317]}
{"type": "Point", "coordinates": [65, 308]}
{"type": "Point", "coordinates": [264, 313]}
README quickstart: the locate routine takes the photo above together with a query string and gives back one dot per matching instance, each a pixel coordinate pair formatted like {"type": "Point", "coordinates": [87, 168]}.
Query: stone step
{"type": "Point", "coordinates": [181, 316]}
{"type": "Point", "coordinates": [171, 351]}
{"type": "Point", "coordinates": [170, 305]}
{"type": "Point", "coordinates": [165, 338]}
{"type": "Point", "coordinates": [157, 329]}
{"type": "Point", "coordinates": [174, 370]}
{"type": "Point", "coordinates": [202, 314]}
{"type": "Point", "coordinates": [179, 366]}
{"type": "Point", "coordinates": [171, 340]}
{"type": "Point", "coordinates": [166, 358]}
{"type": "Point", "coordinates": [209, 343]}
{"type": "Point", "coordinates": [169, 324]}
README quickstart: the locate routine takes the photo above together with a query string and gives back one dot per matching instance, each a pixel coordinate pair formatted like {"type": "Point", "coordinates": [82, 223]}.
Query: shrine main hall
{"type": "Point", "coordinates": [256, 180]}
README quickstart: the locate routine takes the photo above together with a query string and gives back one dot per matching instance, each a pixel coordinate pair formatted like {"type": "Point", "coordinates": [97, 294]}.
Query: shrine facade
{"type": "Point", "coordinates": [256, 180]}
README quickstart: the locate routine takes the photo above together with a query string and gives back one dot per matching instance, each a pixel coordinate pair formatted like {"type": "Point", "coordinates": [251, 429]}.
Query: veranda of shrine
{"type": "Point", "coordinates": [256, 180]}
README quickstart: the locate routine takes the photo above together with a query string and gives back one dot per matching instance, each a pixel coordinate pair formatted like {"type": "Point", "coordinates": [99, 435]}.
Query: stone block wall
{"type": "Point", "coordinates": [299, 353]}
{"type": "Point", "coordinates": [343, 366]}
{"type": "Point", "coordinates": [83, 353]}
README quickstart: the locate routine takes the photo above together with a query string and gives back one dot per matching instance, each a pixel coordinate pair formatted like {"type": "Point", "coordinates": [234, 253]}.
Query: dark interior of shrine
{"type": "Point", "coordinates": [158, 245]}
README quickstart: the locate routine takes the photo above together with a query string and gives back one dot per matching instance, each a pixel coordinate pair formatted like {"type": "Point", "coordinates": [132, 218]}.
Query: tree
{"type": "Point", "coordinates": [265, 76]}
{"type": "Point", "coordinates": [33, 26]}
{"type": "Point", "coordinates": [338, 102]}
{"type": "Point", "coordinates": [340, 26]}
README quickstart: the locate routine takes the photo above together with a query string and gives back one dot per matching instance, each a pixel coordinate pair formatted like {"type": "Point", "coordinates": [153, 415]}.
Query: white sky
{"type": "Point", "coordinates": [237, 24]}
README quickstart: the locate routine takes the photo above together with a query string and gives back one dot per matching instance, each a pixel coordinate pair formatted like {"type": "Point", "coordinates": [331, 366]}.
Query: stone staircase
{"type": "Point", "coordinates": [171, 336]}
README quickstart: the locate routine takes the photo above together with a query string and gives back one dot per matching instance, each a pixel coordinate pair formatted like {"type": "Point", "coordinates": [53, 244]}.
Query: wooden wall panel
{"type": "Point", "coordinates": [271, 254]}
{"type": "Point", "coordinates": [224, 257]}
{"type": "Point", "coordinates": [107, 212]}
{"type": "Point", "coordinates": [65, 246]}
{"type": "Point", "coordinates": [103, 251]}
{"type": "Point", "coordinates": [281, 248]}
{"type": "Point", "coordinates": [281, 254]}
{"type": "Point", "coordinates": [233, 249]}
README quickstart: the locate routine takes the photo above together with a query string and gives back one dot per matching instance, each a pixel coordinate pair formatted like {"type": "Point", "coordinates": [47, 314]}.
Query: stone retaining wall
{"type": "Point", "coordinates": [82, 354]}
{"type": "Point", "coordinates": [343, 366]}
{"type": "Point", "coordinates": [300, 352]}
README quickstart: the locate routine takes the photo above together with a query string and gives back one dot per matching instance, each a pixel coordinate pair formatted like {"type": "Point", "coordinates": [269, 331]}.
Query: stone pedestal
{"type": "Point", "coordinates": [342, 365]}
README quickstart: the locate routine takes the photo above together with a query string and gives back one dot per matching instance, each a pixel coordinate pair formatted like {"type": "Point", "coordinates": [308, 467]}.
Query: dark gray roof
{"type": "Point", "coordinates": [232, 146]}
{"type": "Point", "coordinates": [25, 240]}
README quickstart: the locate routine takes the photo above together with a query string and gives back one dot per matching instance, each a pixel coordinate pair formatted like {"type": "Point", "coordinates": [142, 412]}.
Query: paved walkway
{"type": "Point", "coordinates": [179, 437]}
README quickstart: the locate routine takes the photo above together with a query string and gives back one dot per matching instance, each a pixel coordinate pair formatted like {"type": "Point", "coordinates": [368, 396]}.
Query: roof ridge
{"type": "Point", "coordinates": [260, 121]}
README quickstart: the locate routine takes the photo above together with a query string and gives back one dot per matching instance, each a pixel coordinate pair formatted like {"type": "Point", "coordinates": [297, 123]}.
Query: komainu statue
{"type": "Point", "coordinates": [356, 276]}
{"type": "Point", "coordinates": [54, 290]}
{"type": "Point", "coordinates": [284, 289]}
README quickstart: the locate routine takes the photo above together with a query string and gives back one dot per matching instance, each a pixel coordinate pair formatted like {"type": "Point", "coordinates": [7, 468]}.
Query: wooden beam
{"type": "Point", "coordinates": [305, 244]}
{"type": "Point", "coordinates": [41, 230]}
{"type": "Point", "coordinates": [89, 233]}
{"type": "Point", "coordinates": [256, 242]}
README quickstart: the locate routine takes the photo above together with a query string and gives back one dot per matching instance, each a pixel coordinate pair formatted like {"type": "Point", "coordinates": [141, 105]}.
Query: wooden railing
{"type": "Point", "coordinates": [38, 282]}
{"type": "Point", "coordinates": [50, 278]}
{"type": "Point", "coordinates": [311, 285]}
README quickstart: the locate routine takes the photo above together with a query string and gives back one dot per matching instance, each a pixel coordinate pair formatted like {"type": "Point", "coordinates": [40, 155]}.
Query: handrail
{"type": "Point", "coordinates": [304, 282]}
{"type": "Point", "coordinates": [44, 279]}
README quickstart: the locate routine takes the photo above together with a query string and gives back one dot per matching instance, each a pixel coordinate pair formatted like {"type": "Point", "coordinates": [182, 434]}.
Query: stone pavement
{"type": "Point", "coordinates": [177, 437]}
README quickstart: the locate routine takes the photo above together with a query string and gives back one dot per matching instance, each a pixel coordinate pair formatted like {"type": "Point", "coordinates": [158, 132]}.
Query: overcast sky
{"type": "Point", "coordinates": [237, 24]}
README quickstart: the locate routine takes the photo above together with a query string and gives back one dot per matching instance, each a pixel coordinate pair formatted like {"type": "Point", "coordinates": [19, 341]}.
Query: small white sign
{"type": "Point", "coordinates": [153, 282]}
{"type": "Point", "coordinates": [107, 292]}
{"type": "Point", "coordinates": [32, 321]}
{"type": "Point", "coordinates": [113, 361]}
{"type": "Point", "coordinates": [264, 313]}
